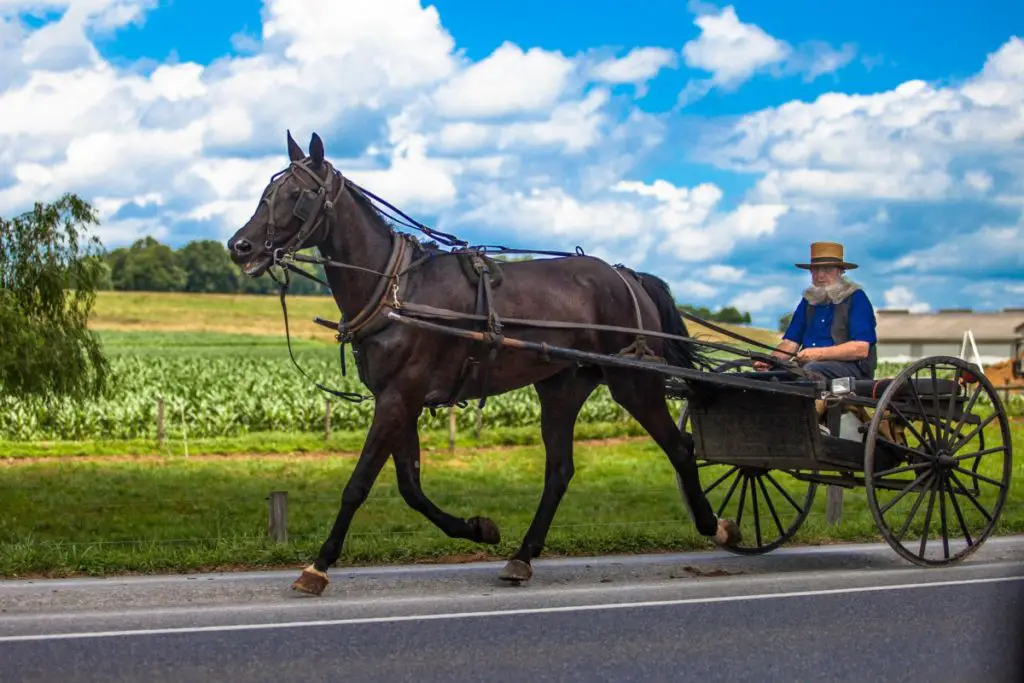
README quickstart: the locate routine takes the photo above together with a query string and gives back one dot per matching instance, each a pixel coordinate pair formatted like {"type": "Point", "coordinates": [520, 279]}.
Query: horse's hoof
{"type": "Point", "coordinates": [311, 581]}
{"type": "Point", "coordinates": [516, 571]}
{"type": "Point", "coordinates": [728, 533]}
{"type": "Point", "coordinates": [486, 530]}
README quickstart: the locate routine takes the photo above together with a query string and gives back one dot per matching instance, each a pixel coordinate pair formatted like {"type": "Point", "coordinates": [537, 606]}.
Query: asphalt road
{"type": "Point", "coordinates": [841, 613]}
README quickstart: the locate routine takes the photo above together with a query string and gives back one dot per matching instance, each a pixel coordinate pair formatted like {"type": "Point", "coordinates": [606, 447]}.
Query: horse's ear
{"type": "Point", "coordinates": [316, 150]}
{"type": "Point", "coordinates": [294, 151]}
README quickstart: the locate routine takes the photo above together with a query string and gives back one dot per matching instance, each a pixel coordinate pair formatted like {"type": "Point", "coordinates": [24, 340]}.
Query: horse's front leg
{"type": "Point", "coordinates": [389, 420]}
{"type": "Point", "coordinates": [407, 468]}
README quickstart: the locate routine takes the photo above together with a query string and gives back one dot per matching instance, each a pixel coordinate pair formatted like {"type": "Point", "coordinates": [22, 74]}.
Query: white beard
{"type": "Point", "coordinates": [834, 293]}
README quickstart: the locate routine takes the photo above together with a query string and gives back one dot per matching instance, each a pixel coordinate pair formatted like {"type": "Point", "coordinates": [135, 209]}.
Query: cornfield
{"type": "Point", "coordinates": [212, 396]}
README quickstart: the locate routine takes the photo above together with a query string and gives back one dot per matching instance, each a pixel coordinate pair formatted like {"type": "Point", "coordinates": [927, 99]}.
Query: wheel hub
{"type": "Point", "coordinates": [945, 461]}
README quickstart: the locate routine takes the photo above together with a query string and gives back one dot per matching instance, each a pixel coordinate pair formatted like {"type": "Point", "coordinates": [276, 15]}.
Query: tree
{"type": "Point", "coordinates": [147, 266]}
{"type": "Point", "coordinates": [49, 275]}
{"type": "Point", "coordinates": [784, 322]}
{"type": "Point", "coordinates": [208, 267]}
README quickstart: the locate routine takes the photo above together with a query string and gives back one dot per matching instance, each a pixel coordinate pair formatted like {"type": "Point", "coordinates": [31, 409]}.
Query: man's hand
{"type": "Point", "coordinates": [809, 354]}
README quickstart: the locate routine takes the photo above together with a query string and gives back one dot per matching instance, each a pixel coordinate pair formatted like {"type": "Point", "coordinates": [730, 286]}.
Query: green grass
{"type": "Point", "coordinates": [298, 442]}
{"type": "Point", "coordinates": [261, 315]}
{"type": "Point", "coordinates": [176, 514]}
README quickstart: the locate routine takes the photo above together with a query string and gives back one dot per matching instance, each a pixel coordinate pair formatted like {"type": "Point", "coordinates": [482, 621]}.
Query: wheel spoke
{"type": "Point", "coordinates": [964, 413]}
{"type": "Point", "coordinates": [928, 518]}
{"type": "Point", "coordinates": [924, 414]}
{"type": "Point", "coordinates": [942, 516]}
{"type": "Point", "coordinates": [904, 491]}
{"type": "Point", "coordinates": [720, 480]}
{"type": "Point", "coordinates": [981, 477]}
{"type": "Point", "coordinates": [959, 514]}
{"type": "Point", "coordinates": [903, 468]}
{"type": "Point", "coordinates": [784, 492]}
{"type": "Point", "coordinates": [935, 406]}
{"type": "Point", "coordinates": [728, 495]}
{"type": "Point", "coordinates": [771, 506]}
{"type": "Point", "coordinates": [970, 497]}
{"type": "Point", "coordinates": [743, 499]}
{"type": "Point", "coordinates": [910, 517]}
{"type": "Point", "coordinates": [910, 425]}
{"type": "Point", "coordinates": [963, 441]}
{"type": "Point", "coordinates": [979, 454]}
{"type": "Point", "coordinates": [757, 511]}
{"type": "Point", "coordinates": [952, 402]}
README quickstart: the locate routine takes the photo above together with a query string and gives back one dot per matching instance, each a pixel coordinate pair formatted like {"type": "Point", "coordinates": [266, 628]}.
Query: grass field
{"type": "Point", "coordinates": [103, 515]}
{"type": "Point", "coordinates": [86, 489]}
{"type": "Point", "coordinates": [261, 315]}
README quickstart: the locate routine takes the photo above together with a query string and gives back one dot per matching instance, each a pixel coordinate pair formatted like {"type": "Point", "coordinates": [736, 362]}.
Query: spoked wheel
{"type": "Point", "coordinates": [937, 461]}
{"type": "Point", "coordinates": [769, 506]}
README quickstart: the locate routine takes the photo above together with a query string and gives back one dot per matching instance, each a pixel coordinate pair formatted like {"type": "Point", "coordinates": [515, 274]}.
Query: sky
{"type": "Point", "coordinates": [707, 143]}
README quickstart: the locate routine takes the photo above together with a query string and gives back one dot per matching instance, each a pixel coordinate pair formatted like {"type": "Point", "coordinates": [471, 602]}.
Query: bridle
{"type": "Point", "coordinates": [313, 207]}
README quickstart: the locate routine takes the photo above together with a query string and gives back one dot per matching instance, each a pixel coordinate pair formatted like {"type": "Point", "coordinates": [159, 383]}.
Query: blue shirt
{"type": "Point", "coordinates": [862, 322]}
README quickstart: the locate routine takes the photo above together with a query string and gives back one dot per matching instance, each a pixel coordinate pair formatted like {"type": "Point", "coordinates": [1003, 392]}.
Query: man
{"type": "Point", "coordinates": [833, 326]}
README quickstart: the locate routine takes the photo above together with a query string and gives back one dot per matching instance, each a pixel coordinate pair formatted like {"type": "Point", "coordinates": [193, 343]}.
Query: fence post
{"type": "Point", "coordinates": [834, 505]}
{"type": "Point", "coordinates": [327, 419]}
{"type": "Point", "coordinates": [479, 421]}
{"type": "Point", "coordinates": [277, 520]}
{"type": "Point", "coordinates": [451, 428]}
{"type": "Point", "coordinates": [160, 422]}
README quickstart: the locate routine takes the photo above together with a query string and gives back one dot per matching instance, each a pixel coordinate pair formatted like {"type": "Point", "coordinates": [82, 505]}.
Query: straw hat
{"type": "Point", "coordinates": [827, 254]}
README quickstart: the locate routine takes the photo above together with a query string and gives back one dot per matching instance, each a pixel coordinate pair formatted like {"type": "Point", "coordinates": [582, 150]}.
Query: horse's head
{"type": "Point", "coordinates": [297, 201]}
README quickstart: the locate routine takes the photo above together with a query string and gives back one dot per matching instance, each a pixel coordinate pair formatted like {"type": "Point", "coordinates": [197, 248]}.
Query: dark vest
{"type": "Point", "coordinates": [841, 333]}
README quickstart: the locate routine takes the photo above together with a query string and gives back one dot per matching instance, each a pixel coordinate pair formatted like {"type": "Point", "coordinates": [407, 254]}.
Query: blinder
{"type": "Point", "coordinates": [307, 204]}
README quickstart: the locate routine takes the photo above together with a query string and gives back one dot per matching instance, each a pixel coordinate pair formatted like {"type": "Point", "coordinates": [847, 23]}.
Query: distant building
{"type": "Point", "coordinates": [904, 336]}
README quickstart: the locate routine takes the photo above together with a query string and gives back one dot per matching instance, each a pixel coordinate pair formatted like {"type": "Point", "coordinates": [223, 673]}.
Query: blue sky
{"type": "Point", "coordinates": [706, 142]}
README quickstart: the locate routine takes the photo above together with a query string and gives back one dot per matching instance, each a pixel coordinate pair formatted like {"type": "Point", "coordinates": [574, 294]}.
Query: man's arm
{"type": "Point", "coordinates": [790, 343]}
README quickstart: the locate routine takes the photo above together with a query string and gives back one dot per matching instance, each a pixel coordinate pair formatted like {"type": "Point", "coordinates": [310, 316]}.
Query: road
{"type": "Point", "coordinates": [837, 613]}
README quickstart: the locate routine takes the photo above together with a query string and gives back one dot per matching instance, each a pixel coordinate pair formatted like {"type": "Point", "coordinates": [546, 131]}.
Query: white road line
{"type": "Point", "coordinates": [501, 613]}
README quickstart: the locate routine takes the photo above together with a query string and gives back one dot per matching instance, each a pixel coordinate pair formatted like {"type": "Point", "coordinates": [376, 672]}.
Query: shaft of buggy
{"type": "Point", "coordinates": [605, 359]}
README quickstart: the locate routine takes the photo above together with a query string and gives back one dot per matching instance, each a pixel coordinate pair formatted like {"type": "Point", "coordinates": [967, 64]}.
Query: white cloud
{"type": "Point", "coordinates": [898, 144]}
{"type": "Point", "coordinates": [730, 49]}
{"type": "Point", "coordinates": [759, 300]}
{"type": "Point", "coordinates": [722, 273]}
{"type": "Point", "coordinates": [733, 51]}
{"type": "Point", "coordinates": [901, 297]}
{"type": "Point", "coordinates": [984, 249]}
{"type": "Point", "coordinates": [638, 67]}
{"type": "Point", "coordinates": [509, 81]}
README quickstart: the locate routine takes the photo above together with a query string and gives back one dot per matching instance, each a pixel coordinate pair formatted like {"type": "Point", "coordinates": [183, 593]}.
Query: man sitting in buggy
{"type": "Point", "coordinates": [832, 331]}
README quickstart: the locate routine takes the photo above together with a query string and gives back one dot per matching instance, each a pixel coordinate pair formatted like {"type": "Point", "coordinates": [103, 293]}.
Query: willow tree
{"type": "Point", "coordinates": [50, 270]}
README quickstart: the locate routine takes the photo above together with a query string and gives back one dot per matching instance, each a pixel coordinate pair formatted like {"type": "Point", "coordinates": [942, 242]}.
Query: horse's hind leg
{"type": "Point", "coordinates": [561, 398]}
{"type": "Point", "coordinates": [407, 468]}
{"type": "Point", "coordinates": [643, 395]}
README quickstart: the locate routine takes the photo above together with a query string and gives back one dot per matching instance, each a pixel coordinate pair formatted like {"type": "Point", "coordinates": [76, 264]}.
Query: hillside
{"type": "Point", "coordinates": [261, 315]}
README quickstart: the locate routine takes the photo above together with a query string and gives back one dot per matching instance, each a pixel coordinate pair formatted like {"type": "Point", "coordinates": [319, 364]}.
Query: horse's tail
{"type": "Point", "coordinates": [677, 353]}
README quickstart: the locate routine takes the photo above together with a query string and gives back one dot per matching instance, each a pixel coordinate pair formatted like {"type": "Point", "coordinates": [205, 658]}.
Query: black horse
{"type": "Point", "coordinates": [376, 269]}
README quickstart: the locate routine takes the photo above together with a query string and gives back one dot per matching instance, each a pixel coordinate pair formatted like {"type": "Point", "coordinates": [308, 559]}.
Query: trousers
{"type": "Point", "coordinates": [832, 369]}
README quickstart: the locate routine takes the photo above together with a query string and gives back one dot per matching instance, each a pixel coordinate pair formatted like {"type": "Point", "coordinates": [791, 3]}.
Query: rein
{"type": "Point", "coordinates": [314, 209]}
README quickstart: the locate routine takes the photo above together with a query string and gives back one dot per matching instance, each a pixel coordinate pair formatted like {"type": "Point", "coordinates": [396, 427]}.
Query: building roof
{"type": "Point", "coordinates": [898, 325]}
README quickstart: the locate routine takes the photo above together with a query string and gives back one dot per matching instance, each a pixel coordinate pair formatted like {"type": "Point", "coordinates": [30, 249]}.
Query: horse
{"type": "Point", "coordinates": [373, 269]}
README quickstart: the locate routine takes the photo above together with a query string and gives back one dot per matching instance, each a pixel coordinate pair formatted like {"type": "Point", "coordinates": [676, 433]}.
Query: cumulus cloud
{"type": "Point", "coordinates": [638, 66]}
{"type": "Point", "coordinates": [733, 51]}
{"type": "Point", "coordinates": [899, 144]}
{"type": "Point", "coordinates": [901, 297]}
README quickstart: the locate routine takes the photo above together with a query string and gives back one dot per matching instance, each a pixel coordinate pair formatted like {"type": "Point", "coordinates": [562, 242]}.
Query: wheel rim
{"type": "Point", "coordinates": [936, 494]}
{"type": "Point", "coordinates": [769, 506]}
